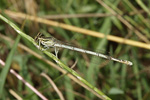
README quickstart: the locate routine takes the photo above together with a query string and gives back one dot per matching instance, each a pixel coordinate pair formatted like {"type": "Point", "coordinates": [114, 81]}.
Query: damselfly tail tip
{"type": "Point", "coordinates": [129, 63]}
{"type": "Point", "coordinates": [126, 62]}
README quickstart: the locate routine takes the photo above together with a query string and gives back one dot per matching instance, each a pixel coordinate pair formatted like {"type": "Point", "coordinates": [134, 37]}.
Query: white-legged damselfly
{"type": "Point", "coordinates": [47, 42]}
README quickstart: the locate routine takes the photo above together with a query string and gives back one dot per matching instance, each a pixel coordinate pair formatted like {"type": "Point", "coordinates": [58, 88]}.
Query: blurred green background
{"type": "Point", "coordinates": [118, 81]}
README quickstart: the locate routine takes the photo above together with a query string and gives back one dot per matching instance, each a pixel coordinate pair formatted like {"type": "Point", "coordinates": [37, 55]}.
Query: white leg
{"type": "Point", "coordinates": [56, 51]}
{"type": "Point", "coordinates": [46, 47]}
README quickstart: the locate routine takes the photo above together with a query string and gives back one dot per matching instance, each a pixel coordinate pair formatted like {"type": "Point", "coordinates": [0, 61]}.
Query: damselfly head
{"type": "Point", "coordinates": [39, 35]}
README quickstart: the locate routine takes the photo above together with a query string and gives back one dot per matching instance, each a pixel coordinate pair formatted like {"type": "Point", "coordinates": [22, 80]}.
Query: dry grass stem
{"type": "Point", "coordinates": [53, 85]}
{"type": "Point", "coordinates": [76, 16]}
{"type": "Point", "coordinates": [15, 94]}
{"type": "Point", "coordinates": [142, 37]}
{"type": "Point", "coordinates": [77, 29]}
{"type": "Point", "coordinates": [26, 83]}
{"type": "Point", "coordinates": [75, 63]}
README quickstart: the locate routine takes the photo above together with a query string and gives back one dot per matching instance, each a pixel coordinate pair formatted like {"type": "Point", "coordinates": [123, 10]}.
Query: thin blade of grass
{"type": "Point", "coordinates": [69, 89]}
{"type": "Point", "coordinates": [142, 5]}
{"type": "Point", "coordinates": [93, 70]}
{"type": "Point", "coordinates": [99, 93]}
{"type": "Point", "coordinates": [137, 77]}
{"type": "Point", "coordinates": [7, 66]}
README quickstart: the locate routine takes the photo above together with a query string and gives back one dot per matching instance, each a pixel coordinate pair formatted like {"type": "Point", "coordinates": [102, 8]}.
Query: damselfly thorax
{"type": "Point", "coordinates": [45, 41]}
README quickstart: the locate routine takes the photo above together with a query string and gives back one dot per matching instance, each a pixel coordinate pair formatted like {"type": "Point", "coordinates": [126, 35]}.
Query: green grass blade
{"type": "Point", "coordinates": [7, 66]}
{"type": "Point", "coordinates": [18, 30]}
{"type": "Point", "coordinates": [69, 89]}
{"type": "Point", "coordinates": [142, 5]}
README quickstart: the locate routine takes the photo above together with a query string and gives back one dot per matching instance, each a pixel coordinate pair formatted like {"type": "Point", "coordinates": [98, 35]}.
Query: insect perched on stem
{"type": "Point", "coordinates": [47, 42]}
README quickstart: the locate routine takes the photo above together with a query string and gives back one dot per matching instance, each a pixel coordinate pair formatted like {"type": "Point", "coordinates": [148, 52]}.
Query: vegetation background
{"type": "Point", "coordinates": [128, 19]}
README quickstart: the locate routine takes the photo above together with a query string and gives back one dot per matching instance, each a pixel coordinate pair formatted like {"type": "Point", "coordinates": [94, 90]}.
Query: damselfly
{"type": "Point", "coordinates": [47, 42]}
